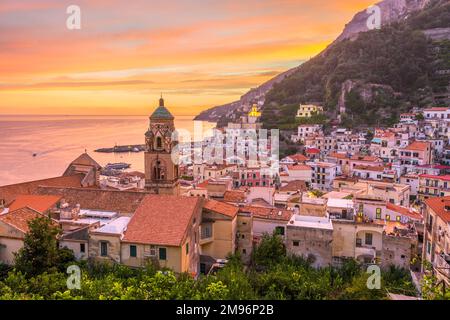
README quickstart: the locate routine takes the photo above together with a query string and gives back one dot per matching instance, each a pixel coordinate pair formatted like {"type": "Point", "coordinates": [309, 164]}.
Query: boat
{"type": "Point", "coordinates": [122, 149]}
{"type": "Point", "coordinates": [117, 166]}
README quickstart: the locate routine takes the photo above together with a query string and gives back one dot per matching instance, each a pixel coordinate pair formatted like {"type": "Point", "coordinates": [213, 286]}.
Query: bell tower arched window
{"type": "Point", "coordinates": [159, 171]}
{"type": "Point", "coordinates": [158, 143]}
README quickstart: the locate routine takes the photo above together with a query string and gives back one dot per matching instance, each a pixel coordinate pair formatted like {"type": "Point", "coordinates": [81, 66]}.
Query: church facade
{"type": "Point", "coordinates": [161, 173]}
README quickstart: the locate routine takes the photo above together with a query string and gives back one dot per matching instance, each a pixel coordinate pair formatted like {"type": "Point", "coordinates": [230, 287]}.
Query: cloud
{"type": "Point", "coordinates": [205, 53]}
{"type": "Point", "coordinates": [73, 84]}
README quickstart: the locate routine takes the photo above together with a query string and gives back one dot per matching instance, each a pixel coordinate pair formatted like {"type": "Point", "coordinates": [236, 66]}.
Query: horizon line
{"type": "Point", "coordinates": [92, 115]}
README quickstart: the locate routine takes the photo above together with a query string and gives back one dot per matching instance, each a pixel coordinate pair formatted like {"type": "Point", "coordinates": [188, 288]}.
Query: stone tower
{"type": "Point", "coordinates": [161, 174]}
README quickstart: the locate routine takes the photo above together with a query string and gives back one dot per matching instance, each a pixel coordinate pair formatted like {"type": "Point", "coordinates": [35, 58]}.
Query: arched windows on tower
{"type": "Point", "coordinates": [159, 170]}
{"type": "Point", "coordinates": [159, 143]}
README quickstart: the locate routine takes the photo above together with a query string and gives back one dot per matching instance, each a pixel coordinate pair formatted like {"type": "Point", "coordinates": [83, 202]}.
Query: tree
{"type": "Point", "coordinates": [432, 289]}
{"type": "Point", "coordinates": [40, 252]}
{"type": "Point", "coordinates": [270, 251]}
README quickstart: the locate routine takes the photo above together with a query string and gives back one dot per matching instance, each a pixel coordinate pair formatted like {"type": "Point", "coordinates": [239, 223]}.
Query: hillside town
{"type": "Point", "coordinates": [379, 196]}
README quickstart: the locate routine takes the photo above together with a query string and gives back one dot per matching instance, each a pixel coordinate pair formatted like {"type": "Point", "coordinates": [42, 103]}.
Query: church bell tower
{"type": "Point", "coordinates": [161, 173]}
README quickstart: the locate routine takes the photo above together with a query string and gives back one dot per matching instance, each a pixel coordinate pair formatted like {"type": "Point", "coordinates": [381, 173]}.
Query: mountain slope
{"type": "Point", "coordinates": [391, 11]}
{"type": "Point", "coordinates": [232, 111]}
{"type": "Point", "coordinates": [373, 78]}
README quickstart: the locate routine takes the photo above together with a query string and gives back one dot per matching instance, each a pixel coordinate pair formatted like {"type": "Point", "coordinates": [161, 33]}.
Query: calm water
{"type": "Point", "coordinates": [57, 140]}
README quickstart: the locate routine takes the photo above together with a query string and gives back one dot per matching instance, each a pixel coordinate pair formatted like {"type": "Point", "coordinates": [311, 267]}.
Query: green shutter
{"type": "Point", "coordinates": [133, 251]}
{"type": "Point", "coordinates": [162, 254]}
{"type": "Point", "coordinates": [103, 249]}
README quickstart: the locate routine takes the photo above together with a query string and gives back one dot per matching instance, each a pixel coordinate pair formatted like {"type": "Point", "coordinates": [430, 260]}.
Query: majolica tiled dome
{"type": "Point", "coordinates": [161, 112]}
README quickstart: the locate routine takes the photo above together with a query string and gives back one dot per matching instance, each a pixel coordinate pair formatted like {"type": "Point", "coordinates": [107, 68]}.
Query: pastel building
{"type": "Point", "coordinates": [308, 110]}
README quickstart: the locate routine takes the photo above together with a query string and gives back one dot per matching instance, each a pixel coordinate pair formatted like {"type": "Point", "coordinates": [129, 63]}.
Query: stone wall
{"type": "Point", "coordinates": [398, 251]}
{"type": "Point", "coordinates": [315, 244]}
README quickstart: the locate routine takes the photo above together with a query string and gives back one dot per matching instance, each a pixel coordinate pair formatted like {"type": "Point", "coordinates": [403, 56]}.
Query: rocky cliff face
{"type": "Point", "coordinates": [391, 11]}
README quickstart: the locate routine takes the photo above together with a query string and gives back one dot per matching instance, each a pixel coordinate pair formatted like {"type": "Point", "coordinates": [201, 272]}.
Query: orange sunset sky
{"type": "Point", "coordinates": [199, 53]}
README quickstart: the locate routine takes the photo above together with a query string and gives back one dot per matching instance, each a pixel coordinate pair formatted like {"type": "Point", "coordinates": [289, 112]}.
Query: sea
{"type": "Point", "coordinates": [42, 146]}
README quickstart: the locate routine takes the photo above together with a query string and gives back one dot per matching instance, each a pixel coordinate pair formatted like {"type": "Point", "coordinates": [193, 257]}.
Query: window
{"type": "Point", "coordinates": [103, 249]}
{"type": "Point", "coordinates": [162, 253]}
{"type": "Point", "coordinates": [378, 213]}
{"type": "Point", "coordinates": [397, 218]}
{"type": "Point", "coordinates": [369, 237]}
{"type": "Point", "coordinates": [295, 243]}
{"type": "Point", "coordinates": [82, 247]}
{"type": "Point", "coordinates": [153, 251]}
{"type": "Point", "coordinates": [202, 268]}
{"type": "Point", "coordinates": [244, 251]}
{"type": "Point", "coordinates": [158, 143]}
{"type": "Point", "coordinates": [187, 248]}
{"type": "Point", "coordinates": [206, 231]}
{"type": "Point", "coordinates": [279, 231]}
{"type": "Point", "coordinates": [388, 217]}
{"type": "Point", "coordinates": [133, 251]}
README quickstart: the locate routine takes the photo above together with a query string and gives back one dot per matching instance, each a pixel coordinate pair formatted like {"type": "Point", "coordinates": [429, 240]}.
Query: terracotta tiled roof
{"type": "Point", "coordinates": [312, 150]}
{"type": "Point", "coordinates": [299, 157]}
{"type": "Point", "coordinates": [203, 184]}
{"type": "Point", "coordinates": [438, 205]}
{"type": "Point", "coordinates": [430, 176]}
{"type": "Point", "coordinates": [338, 155]}
{"type": "Point", "coordinates": [418, 146]}
{"type": "Point", "coordinates": [223, 208]}
{"type": "Point", "coordinates": [162, 220]}
{"type": "Point", "coordinates": [294, 186]}
{"type": "Point", "coordinates": [364, 158]}
{"type": "Point", "coordinates": [19, 218]}
{"type": "Point", "coordinates": [369, 168]}
{"type": "Point", "coordinates": [298, 167]}
{"type": "Point", "coordinates": [86, 160]}
{"type": "Point", "coordinates": [36, 202]}
{"type": "Point", "coordinates": [234, 196]}
{"type": "Point", "coordinates": [267, 213]}
{"type": "Point", "coordinates": [404, 211]}
{"type": "Point", "coordinates": [98, 199]}
{"type": "Point", "coordinates": [10, 192]}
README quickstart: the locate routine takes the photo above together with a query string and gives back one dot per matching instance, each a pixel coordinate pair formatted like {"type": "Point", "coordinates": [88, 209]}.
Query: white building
{"type": "Point", "coordinates": [437, 113]}
{"type": "Point", "coordinates": [323, 174]}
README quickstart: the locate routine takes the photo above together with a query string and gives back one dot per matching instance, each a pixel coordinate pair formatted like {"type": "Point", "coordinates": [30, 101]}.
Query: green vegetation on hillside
{"type": "Point", "coordinates": [391, 70]}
